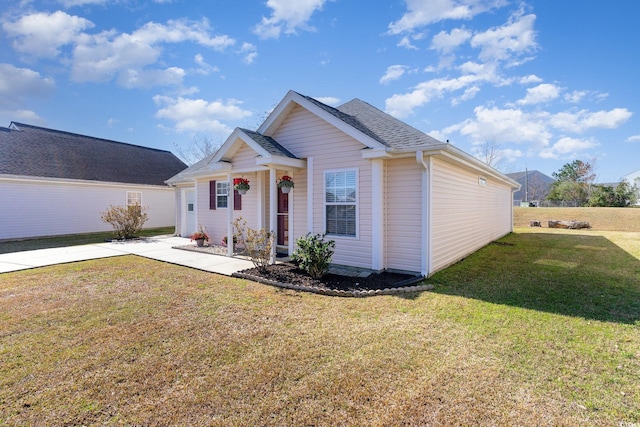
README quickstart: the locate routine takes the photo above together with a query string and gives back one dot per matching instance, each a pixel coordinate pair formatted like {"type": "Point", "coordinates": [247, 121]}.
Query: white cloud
{"type": "Point", "coordinates": [402, 105]}
{"type": "Point", "coordinates": [583, 120]}
{"type": "Point", "coordinates": [394, 72]}
{"type": "Point", "coordinates": [425, 12]}
{"type": "Point", "coordinates": [567, 147]}
{"type": "Point", "coordinates": [447, 42]}
{"type": "Point", "coordinates": [71, 3]}
{"type": "Point", "coordinates": [43, 34]}
{"type": "Point", "coordinates": [249, 51]}
{"type": "Point", "coordinates": [199, 115]}
{"type": "Point", "coordinates": [103, 56]}
{"type": "Point", "coordinates": [531, 78]}
{"type": "Point", "coordinates": [468, 94]}
{"type": "Point", "coordinates": [329, 100]}
{"type": "Point", "coordinates": [132, 78]}
{"type": "Point", "coordinates": [634, 138]}
{"type": "Point", "coordinates": [544, 92]}
{"type": "Point", "coordinates": [575, 96]}
{"type": "Point", "coordinates": [16, 86]}
{"type": "Point", "coordinates": [203, 67]}
{"type": "Point", "coordinates": [406, 43]}
{"type": "Point", "coordinates": [17, 83]}
{"type": "Point", "coordinates": [287, 15]}
{"type": "Point", "coordinates": [514, 38]}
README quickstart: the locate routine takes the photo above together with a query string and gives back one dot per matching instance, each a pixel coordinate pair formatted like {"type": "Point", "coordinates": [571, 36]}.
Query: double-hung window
{"type": "Point", "coordinates": [222, 194]}
{"type": "Point", "coordinates": [134, 200]}
{"type": "Point", "coordinates": [341, 197]}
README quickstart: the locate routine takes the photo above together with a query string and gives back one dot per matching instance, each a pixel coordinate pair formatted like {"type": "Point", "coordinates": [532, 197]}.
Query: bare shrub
{"type": "Point", "coordinates": [126, 221]}
{"type": "Point", "coordinates": [257, 244]}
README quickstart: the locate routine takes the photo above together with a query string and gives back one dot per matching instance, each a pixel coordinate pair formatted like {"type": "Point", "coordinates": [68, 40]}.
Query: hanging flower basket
{"type": "Point", "coordinates": [241, 184]}
{"type": "Point", "coordinates": [285, 184]}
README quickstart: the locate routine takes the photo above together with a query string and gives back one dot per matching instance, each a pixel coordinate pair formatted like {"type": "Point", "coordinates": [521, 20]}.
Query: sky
{"type": "Point", "coordinates": [540, 82]}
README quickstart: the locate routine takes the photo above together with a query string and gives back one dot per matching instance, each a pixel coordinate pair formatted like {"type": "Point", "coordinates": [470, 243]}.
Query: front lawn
{"type": "Point", "coordinates": [541, 329]}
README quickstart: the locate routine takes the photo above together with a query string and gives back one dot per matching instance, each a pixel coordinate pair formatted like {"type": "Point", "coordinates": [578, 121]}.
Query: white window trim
{"type": "Point", "coordinates": [357, 203]}
{"type": "Point", "coordinates": [221, 195]}
{"type": "Point", "coordinates": [133, 192]}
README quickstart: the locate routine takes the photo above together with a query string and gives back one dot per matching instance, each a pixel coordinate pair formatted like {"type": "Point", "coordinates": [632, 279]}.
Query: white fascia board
{"type": "Point", "coordinates": [458, 156]}
{"type": "Point", "coordinates": [284, 106]}
{"type": "Point", "coordinates": [69, 181]}
{"type": "Point", "coordinates": [281, 161]}
{"type": "Point", "coordinates": [231, 140]}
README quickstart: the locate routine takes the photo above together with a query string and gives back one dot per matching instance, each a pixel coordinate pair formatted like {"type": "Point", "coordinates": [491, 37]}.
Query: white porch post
{"type": "Point", "coordinates": [290, 217]}
{"type": "Point", "coordinates": [377, 214]}
{"type": "Point", "coordinates": [230, 202]}
{"type": "Point", "coordinates": [310, 194]}
{"type": "Point", "coordinates": [273, 209]}
{"type": "Point", "coordinates": [260, 190]}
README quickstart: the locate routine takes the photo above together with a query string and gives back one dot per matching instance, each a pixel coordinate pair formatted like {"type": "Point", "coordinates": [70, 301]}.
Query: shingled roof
{"type": "Point", "coordinates": [378, 125]}
{"type": "Point", "coordinates": [27, 150]}
{"type": "Point", "coordinates": [269, 144]}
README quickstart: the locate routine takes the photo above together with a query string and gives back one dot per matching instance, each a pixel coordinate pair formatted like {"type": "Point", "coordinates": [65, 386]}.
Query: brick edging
{"type": "Point", "coordinates": [340, 293]}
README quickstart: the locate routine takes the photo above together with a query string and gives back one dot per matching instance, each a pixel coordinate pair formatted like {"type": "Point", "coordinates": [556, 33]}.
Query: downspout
{"type": "Point", "coordinates": [425, 212]}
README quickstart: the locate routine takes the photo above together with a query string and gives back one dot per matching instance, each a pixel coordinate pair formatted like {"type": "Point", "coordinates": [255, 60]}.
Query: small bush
{"type": "Point", "coordinates": [257, 243]}
{"type": "Point", "coordinates": [127, 221]}
{"type": "Point", "coordinates": [313, 254]}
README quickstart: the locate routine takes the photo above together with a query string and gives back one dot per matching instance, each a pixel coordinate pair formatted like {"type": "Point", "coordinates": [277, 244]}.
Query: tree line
{"type": "Point", "coordinates": [576, 181]}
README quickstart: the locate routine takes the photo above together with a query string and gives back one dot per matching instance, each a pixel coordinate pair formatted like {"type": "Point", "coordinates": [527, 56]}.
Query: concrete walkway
{"type": "Point", "coordinates": [159, 248]}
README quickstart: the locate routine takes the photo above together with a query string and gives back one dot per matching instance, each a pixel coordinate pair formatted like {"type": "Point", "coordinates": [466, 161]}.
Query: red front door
{"type": "Point", "coordinates": [283, 219]}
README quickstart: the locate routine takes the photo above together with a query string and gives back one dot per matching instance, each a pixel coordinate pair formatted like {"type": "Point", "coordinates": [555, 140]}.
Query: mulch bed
{"type": "Point", "coordinates": [288, 275]}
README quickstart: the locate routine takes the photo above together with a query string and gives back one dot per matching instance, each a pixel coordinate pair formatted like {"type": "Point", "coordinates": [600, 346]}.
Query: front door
{"type": "Point", "coordinates": [282, 239]}
{"type": "Point", "coordinates": [189, 211]}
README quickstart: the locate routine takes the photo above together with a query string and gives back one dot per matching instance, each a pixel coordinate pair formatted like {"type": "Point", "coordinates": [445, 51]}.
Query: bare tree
{"type": "Point", "coordinates": [199, 148]}
{"type": "Point", "coordinates": [492, 154]}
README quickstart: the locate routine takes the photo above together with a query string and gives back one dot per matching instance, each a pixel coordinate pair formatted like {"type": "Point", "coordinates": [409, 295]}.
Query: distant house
{"type": "Point", "coordinates": [392, 197]}
{"type": "Point", "coordinates": [534, 186]}
{"type": "Point", "coordinates": [633, 178]}
{"type": "Point", "coordinates": [55, 183]}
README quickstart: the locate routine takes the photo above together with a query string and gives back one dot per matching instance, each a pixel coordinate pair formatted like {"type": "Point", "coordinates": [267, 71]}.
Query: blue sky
{"type": "Point", "coordinates": [543, 82]}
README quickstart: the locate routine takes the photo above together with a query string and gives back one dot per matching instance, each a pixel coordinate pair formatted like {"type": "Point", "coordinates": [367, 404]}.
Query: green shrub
{"type": "Point", "coordinates": [313, 254]}
{"type": "Point", "coordinates": [127, 221]}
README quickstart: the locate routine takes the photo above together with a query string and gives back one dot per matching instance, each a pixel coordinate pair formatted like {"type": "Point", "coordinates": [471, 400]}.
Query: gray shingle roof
{"type": "Point", "coordinates": [269, 144]}
{"type": "Point", "coordinates": [378, 125]}
{"type": "Point", "coordinates": [387, 129]}
{"type": "Point", "coordinates": [40, 152]}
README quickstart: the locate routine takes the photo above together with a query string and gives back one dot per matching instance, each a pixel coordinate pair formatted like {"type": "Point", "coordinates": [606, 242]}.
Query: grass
{"type": "Point", "coordinates": [71, 239]}
{"type": "Point", "coordinates": [611, 219]}
{"type": "Point", "coordinates": [541, 329]}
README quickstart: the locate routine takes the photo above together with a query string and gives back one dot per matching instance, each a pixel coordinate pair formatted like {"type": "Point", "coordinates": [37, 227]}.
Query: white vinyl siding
{"type": "Point", "coordinates": [307, 135]}
{"type": "Point", "coordinates": [35, 208]}
{"type": "Point", "coordinates": [465, 214]}
{"type": "Point", "coordinates": [403, 222]}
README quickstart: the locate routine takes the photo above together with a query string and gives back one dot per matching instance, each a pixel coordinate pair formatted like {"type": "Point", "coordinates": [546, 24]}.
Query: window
{"type": "Point", "coordinates": [222, 194]}
{"type": "Point", "coordinates": [341, 202]}
{"type": "Point", "coordinates": [134, 198]}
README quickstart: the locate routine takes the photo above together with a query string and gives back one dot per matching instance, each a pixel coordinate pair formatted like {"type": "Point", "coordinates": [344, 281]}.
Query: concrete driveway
{"type": "Point", "coordinates": [159, 248]}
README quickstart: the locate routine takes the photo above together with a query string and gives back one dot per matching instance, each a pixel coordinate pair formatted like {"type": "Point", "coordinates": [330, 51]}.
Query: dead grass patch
{"type": "Point", "coordinates": [608, 219]}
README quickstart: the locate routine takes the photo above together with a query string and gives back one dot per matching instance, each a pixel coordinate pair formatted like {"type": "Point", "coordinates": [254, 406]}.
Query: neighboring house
{"type": "Point", "coordinates": [389, 195]}
{"type": "Point", "coordinates": [54, 182]}
{"type": "Point", "coordinates": [633, 178]}
{"type": "Point", "coordinates": [534, 186]}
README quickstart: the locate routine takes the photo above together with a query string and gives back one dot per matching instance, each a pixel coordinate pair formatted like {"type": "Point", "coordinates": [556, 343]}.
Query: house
{"type": "Point", "coordinates": [534, 186]}
{"type": "Point", "coordinates": [55, 183]}
{"type": "Point", "coordinates": [389, 195]}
